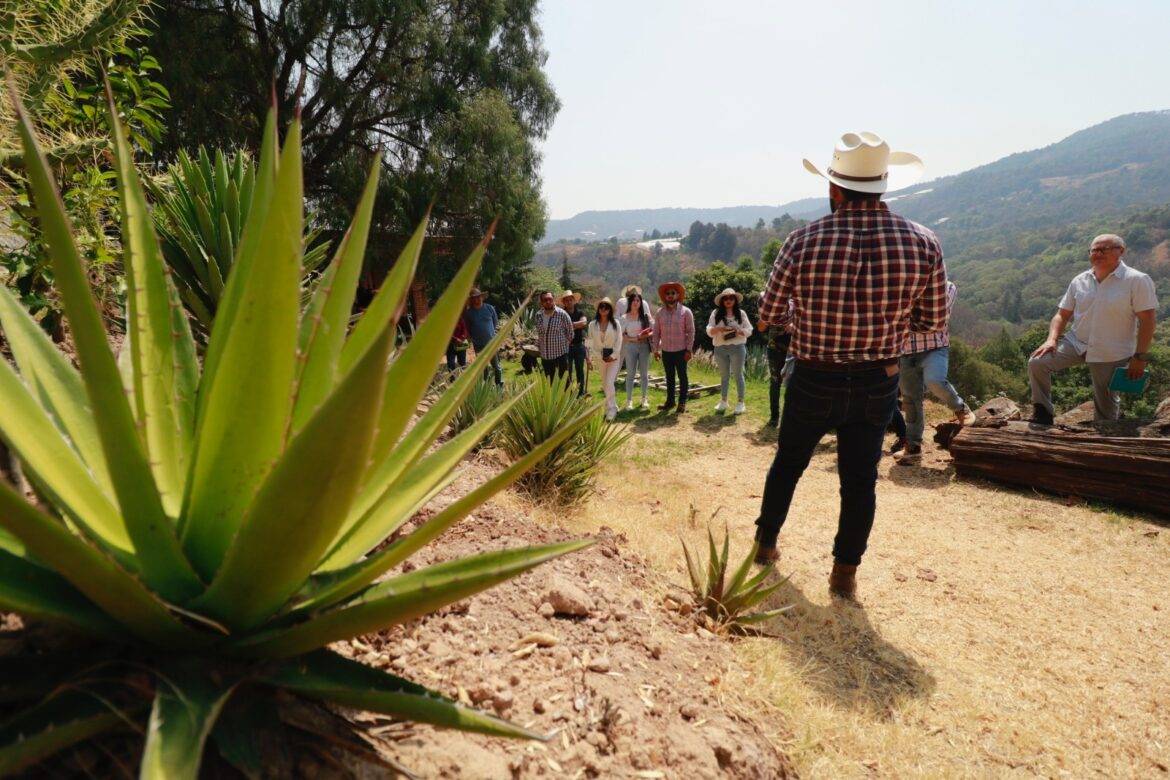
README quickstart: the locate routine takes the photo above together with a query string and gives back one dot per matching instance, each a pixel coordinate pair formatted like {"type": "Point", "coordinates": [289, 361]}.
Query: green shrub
{"type": "Point", "coordinates": [568, 473]}
{"type": "Point", "coordinates": [213, 528]}
{"type": "Point", "coordinates": [484, 397]}
{"type": "Point", "coordinates": [725, 603]}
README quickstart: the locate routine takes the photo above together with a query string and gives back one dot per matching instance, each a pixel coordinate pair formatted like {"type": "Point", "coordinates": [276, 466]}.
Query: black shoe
{"type": "Point", "coordinates": [773, 422]}
{"type": "Point", "coordinates": [912, 456]}
{"type": "Point", "coordinates": [682, 408]}
{"type": "Point", "coordinates": [666, 407]}
{"type": "Point", "coordinates": [1041, 415]}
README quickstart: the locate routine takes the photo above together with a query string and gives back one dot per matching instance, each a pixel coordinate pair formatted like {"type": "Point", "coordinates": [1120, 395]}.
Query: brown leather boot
{"type": "Point", "coordinates": [843, 581]}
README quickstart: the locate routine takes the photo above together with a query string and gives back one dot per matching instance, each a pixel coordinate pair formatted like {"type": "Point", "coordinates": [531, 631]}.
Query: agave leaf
{"type": "Point", "coordinates": [749, 598]}
{"type": "Point", "coordinates": [56, 469]}
{"type": "Point", "coordinates": [401, 499]}
{"type": "Point", "coordinates": [412, 370]}
{"type": "Point", "coordinates": [39, 593]}
{"type": "Point", "coordinates": [302, 502]}
{"type": "Point", "coordinates": [162, 562]}
{"type": "Point", "coordinates": [151, 318]}
{"type": "Point", "coordinates": [694, 573]}
{"type": "Point", "coordinates": [403, 598]}
{"type": "Point", "coordinates": [334, 586]}
{"type": "Point", "coordinates": [323, 326]}
{"type": "Point", "coordinates": [387, 302]}
{"type": "Point", "coordinates": [241, 728]}
{"type": "Point", "coordinates": [330, 677]}
{"type": "Point", "coordinates": [741, 573]}
{"type": "Point", "coordinates": [428, 427]}
{"type": "Point", "coordinates": [760, 617]}
{"type": "Point", "coordinates": [186, 704]}
{"type": "Point", "coordinates": [55, 383]}
{"type": "Point", "coordinates": [241, 427]}
{"type": "Point", "coordinates": [63, 720]}
{"type": "Point", "coordinates": [714, 587]}
{"type": "Point", "coordinates": [118, 593]}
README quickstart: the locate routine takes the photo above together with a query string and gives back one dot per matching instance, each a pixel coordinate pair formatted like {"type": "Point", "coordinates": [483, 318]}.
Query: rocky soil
{"type": "Point", "coordinates": [581, 649]}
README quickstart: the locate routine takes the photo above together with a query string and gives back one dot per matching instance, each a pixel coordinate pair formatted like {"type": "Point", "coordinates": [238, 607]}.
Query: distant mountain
{"type": "Point", "coordinates": [629, 225]}
{"type": "Point", "coordinates": [1106, 169]}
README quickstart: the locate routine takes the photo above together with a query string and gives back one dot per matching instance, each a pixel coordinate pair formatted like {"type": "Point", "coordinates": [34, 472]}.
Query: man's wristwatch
{"type": "Point", "coordinates": [1142, 356]}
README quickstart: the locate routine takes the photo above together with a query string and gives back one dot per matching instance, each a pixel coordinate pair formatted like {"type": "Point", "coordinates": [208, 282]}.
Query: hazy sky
{"type": "Point", "coordinates": [688, 103]}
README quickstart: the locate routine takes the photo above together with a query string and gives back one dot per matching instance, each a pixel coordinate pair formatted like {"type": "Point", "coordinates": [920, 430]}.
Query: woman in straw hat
{"type": "Point", "coordinates": [604, 342]}
{"type": "Point", "coordinates": [729, 328]}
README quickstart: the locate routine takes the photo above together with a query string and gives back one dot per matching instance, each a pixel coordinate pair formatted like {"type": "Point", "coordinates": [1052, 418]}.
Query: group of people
{"type": "Point", "coordinates": [855, 316]}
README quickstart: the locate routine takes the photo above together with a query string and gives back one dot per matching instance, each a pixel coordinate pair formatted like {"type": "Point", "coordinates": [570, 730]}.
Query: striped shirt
{"type": "Point", "coordinates": [862, 278]}
{"type": "Point", "coordinates": [936, 339]}
{"type": "Point", "coordinates": [554, 333]}
{"type": "Point", "coordinates": [674, 329]}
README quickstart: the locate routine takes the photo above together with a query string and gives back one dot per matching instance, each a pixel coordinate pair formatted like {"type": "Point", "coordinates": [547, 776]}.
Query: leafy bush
{"type": "Point", "coordinates": [213, 529]}
{"type": "Point", "coordinates": [727, 603]}
{"type": "Point", "coordinates": [977, 380]}
{"type": "Point", "coordinates": [567, 474]}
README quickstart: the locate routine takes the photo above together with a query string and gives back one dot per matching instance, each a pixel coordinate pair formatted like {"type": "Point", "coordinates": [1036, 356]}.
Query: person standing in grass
{"type": "Point", "coordinates": [674, 337]}
{"type": "Point", "coordinates": [778, 336]}
{"type": "Point", "coordinates": [861, 279]}
{"type": "Point", "coordinates": [637, 331]}
{"type": "Point", "coordinates": [554, 334]}
{"type": "Point", "coordinates": [482, 322]}
{"type": "Point", "coordinates": [924, 367]}
{"type": "Point", "coordinates": [569, 302]}
{"type": "Point", "coordinates": [729, 328]}
{"type": "Point", "coordinates": [604, 342]}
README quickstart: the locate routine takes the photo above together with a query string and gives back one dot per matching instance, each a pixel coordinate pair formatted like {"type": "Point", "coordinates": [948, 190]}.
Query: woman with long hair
{"type": "Point", "coordinates": [603, 339]}
{"type": "Point", "coordinates": [729, 328]}
{"type": "Point", "coordinates": [637, 329]}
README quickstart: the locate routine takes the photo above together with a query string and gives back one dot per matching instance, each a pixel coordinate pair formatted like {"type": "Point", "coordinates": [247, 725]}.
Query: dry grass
{"type": "Point", "coordinates": [1040, 647]}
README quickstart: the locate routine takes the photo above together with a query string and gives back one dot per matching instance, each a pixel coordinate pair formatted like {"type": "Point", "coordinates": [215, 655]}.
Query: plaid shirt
{"type": "Point", "coordinates": [936, 339]}
{"type": "Point", "coordinates": [554, 333]}
{"type": "Point", "coordinates": [674, 330]}
{"type": "Point", "coordinates": [862, 279]}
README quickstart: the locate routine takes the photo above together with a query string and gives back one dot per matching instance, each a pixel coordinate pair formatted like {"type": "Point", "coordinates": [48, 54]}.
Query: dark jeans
{"type": "Point", "coordinates": [456, 357]}
{"type": "Point", "coordinates": [776, 358]}
{"type": "Point", "coordinates": [556, 367]}
{"type": "Point", "coordinates": [898, 423]}
{"type": "Point", "coordinates": [497, 372]}
{"type": "Point", "coordinates": [858, 406]}
{"type": "Point", "coordinates": [675, 365]}
{"type": "Point", "coordinates": [577, 360]}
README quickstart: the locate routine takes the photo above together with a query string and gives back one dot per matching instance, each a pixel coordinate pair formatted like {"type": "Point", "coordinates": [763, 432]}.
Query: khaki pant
{"type": "Point", "coordinates": [1107, 404]}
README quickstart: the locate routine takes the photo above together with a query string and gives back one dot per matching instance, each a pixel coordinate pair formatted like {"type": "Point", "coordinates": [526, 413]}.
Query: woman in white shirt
{"type": "Point", "coordinates": [603, 338]}
{"type": "Point", "coordinates": [729, 328]}
{"type": "Point", "coordinates": [637, 329]}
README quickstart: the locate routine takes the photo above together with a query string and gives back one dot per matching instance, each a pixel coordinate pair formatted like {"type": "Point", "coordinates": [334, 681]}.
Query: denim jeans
{"type": "Point", "coordinates": [637, 357]}
{"type": "Point", "coordinates": [730, 359]}
{"type": "Point", "coordinates": [858, 405]}
{"type": "Point", "coordinates": [924, 371]}
{"type": "Point", "coordinates": [674, 365]}
{"type": "Point", "coordinates": [577, 361]}
{"type": "Point", "coordinates": [497, 372]}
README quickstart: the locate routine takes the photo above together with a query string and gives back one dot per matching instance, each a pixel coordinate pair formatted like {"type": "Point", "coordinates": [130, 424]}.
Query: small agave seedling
{"type": "Point", "coordinates": [728, 603]}
{"type": "Point", "coordinates": [213, 528]}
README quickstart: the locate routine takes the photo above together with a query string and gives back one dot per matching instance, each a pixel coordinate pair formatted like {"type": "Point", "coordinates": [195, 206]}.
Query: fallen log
{"type": "Point", "coordinates": [1128, 471]}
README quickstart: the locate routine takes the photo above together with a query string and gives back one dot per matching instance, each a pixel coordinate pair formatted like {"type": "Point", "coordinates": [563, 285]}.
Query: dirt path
{"type": "Point", "coordinates": [1000, 632]}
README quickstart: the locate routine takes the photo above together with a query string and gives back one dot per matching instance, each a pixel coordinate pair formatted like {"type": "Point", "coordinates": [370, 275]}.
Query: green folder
{"type": "Point", "coordinates": [1123, 384]}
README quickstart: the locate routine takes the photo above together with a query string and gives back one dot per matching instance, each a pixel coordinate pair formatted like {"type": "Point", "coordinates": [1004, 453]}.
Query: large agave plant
{"type": "Point", "coordinates": [212, 528]}
{"type": "Point", "coordinates": [202, 209]}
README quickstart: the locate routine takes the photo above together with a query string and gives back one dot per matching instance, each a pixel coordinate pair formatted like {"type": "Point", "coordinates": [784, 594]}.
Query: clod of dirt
{"type": "Point", "coordinates": [546, 610]}
{"type": "Point", "coordinates": [567, 599]}
{"type": "Point", "coordinates": [927, 574]}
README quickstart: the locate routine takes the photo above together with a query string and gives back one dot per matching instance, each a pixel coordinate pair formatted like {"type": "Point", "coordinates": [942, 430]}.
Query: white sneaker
{"type": "Point", "coordinates": [629, 405]}
{"type": "Point", "coordinates": [645, 403]}
{"type": "Point", "coordinates": [721, 406]}
{"type": "Point", "coordinates": [740, 408]}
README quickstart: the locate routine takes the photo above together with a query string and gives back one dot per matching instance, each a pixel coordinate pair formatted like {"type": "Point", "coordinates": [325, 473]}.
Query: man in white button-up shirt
{"type": "Point", "coordinates": [1111, 307]}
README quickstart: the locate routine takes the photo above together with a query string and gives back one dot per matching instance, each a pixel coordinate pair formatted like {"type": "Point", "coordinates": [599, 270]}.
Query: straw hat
{"type": "Point", "coordinates": [631, 289]}
{"type": "Point", "coordinates": [476, 293]}
{"type": "Point", "coordinates": [861, 162]}
{"type": "Point", "coordinates": [607, 302]}
{"type": "Point", "coordinates": [676, 286]}
{"type": "Point", "coordinates": [570, 294]}
{"type": "Point", "coordinates": [728, 291]}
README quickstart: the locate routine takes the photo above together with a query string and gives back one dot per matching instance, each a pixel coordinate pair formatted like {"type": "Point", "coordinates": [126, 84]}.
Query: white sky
{"type": "Point", "coordinates": [714, 102]}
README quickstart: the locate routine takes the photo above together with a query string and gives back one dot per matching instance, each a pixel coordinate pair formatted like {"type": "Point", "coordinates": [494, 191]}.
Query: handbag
{"type": "Point", "coordinates": [606, 353]}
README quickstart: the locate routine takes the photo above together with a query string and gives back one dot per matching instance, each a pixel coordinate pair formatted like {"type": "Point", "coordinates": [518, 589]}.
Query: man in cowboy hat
{"type": "Point", "coordinates": [569, 301]}
{"type": "Point", "coordinates": [482, 322]}
{"type": "Point", "coordinates": [861, 280]}
{"type": "Point", "coordinates": [554, 334]}
{"type": "Point", "coordinates": [674, 335]}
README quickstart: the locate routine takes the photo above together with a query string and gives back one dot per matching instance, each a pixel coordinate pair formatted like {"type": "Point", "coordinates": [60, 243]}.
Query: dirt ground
{"type": "Point", "coordinates": [1000, 631]}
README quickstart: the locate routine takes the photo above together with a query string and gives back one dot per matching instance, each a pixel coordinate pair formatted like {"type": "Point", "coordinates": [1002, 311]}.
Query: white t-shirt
{"type": "Point", "coordinates": [632, 327]}
{"type": "Point", "coordinates": [1104, 328]}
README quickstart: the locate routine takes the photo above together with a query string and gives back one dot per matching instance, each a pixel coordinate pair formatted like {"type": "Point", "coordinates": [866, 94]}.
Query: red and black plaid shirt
{"type": "Point", "coordinates": [862, 278]}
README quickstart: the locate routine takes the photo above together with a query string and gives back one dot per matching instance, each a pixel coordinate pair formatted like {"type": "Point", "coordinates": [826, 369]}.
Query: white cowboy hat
{"type": "Point", "coordinates": [576, 296]}
{"type": "Point", "coordinates": [861, 162]}
{"type": "Point", "coordinates": [728, 291]}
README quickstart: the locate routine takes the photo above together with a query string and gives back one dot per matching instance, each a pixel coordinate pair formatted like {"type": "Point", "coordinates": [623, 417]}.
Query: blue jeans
{"type": "Point", "coordinates": [924, 371]}
{"type": "Point", "coordinates": [497, 372]}
{"type": "Point", "coordinates": [858, 405]}
{"type": "Point", "coordinates": [730, 359]}
{"type": "Point", "coordinates": [637, 357]}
